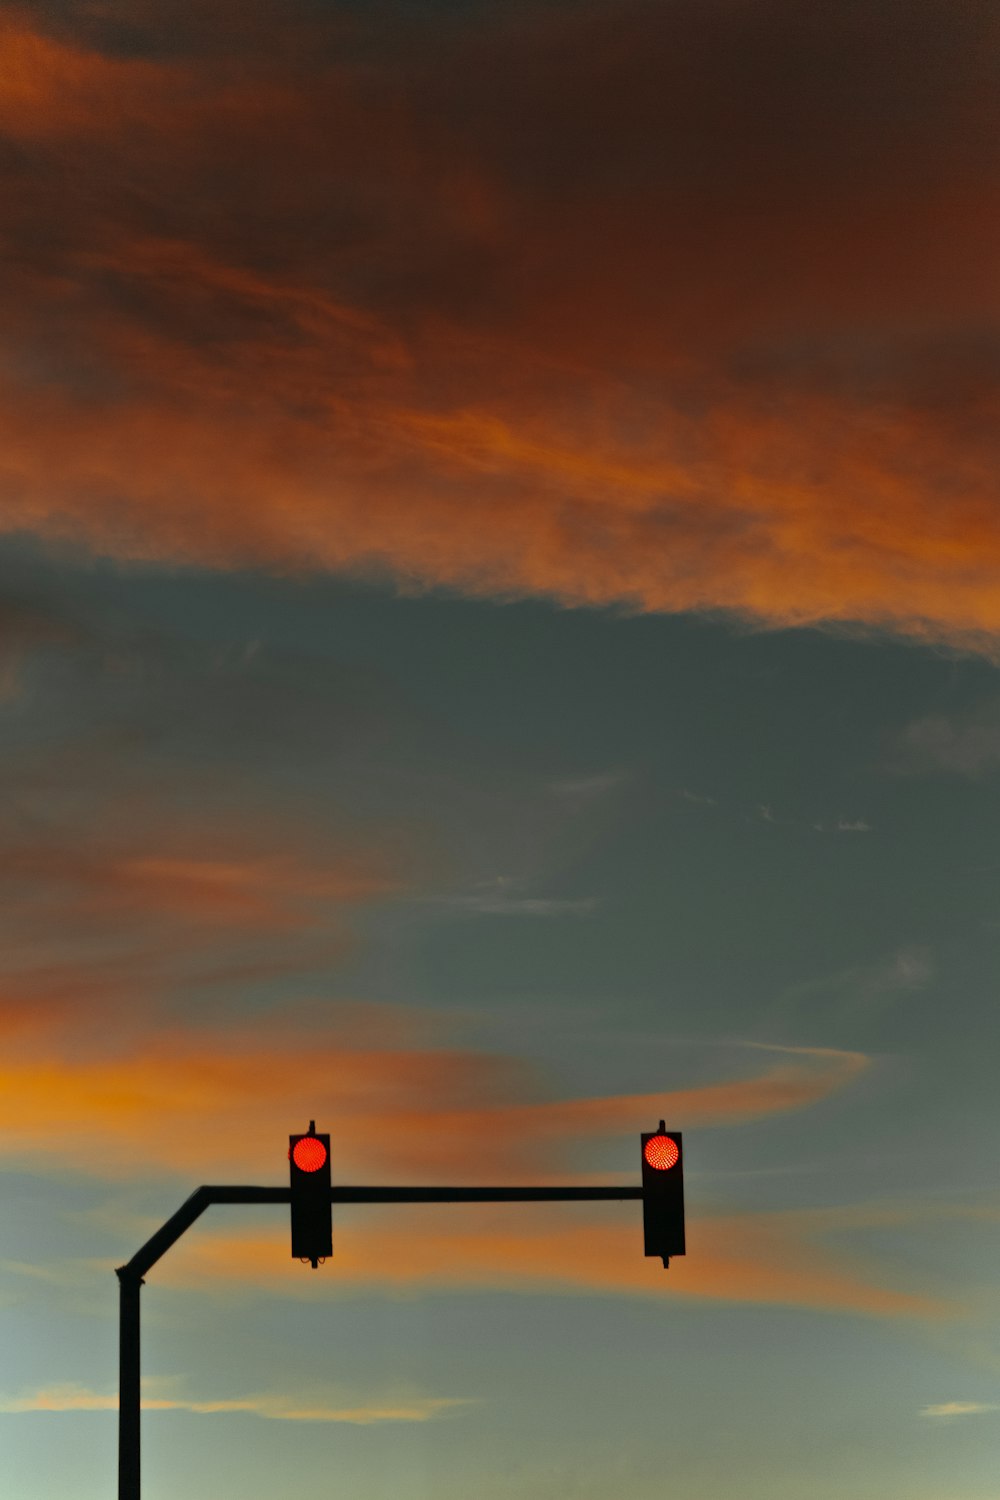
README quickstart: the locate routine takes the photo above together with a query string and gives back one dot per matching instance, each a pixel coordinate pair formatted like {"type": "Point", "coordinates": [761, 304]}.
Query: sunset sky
{"type": "Point", "coordinates": [499, 644]}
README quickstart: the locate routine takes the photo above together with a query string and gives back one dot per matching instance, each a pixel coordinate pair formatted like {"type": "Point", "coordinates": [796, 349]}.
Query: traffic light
{"type": "Point", "coordinates": [309, 1169]}
{"type": "Point", "coordinates": [663, 1193]}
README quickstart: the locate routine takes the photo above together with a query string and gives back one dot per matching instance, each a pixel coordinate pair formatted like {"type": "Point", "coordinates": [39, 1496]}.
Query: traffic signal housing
{"type": "Point", "coordinates": [663, 1193]}
{"type": "Point", "coordinates": [309, 1170]}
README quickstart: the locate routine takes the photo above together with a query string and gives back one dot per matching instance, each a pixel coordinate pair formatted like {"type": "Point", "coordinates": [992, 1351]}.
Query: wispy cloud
{"type": "Point", "coordinates": [135, 901]}
{"type": "Point", "coordinates": [960, 1409]}
{"type": "Point", "coordinates": [866, 989]}
{"type": "Point", "coordinates": [967, 744]}
{"type": "Point", "coordinates": [764, 812]}
{"type": "Point", "coordinates": [697, 798]}
{"type": "Point", "coordinates": [815, 1073]}
{"type": "Point", "coordinates": [793, 1258]}
{"type": "Point", "coordinates": [499, 905]}
{"type": "Point", "coordinates": [214, 883]}
{"type": "Point", "coordinates": [505, 896]}
{"type": "Point", "coordinates": [205, 1100]}
{"type": "Point", "coordinates": [76, 1398]}
{"type": "Point", "coordinates": [776, 1259]}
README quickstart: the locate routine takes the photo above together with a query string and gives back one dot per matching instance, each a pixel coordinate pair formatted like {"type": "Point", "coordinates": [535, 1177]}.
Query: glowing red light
{"type": "Point", "coordinates": [309, 1154]}
{"type": "Point", "coordinates": [661, 1152]}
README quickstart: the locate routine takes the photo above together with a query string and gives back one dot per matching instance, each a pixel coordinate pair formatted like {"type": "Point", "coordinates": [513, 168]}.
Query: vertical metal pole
{"type": "Point", "coordinates": [129, 1480]}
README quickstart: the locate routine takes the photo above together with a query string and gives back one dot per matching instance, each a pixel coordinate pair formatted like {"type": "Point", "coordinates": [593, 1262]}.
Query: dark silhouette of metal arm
{"type": "Point", "coordinates": [191, 1209]}
{"type": "Point", "coordinates": [169, 1233]}
{"type": "Point", "coordinates": [482, 1194]}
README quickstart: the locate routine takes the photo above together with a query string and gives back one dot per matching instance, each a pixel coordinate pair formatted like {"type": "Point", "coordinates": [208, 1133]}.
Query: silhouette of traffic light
{"type": "Point", "coordinates": [663, 1193]}
{"type": "Point", "coordinates": [309, 1169]}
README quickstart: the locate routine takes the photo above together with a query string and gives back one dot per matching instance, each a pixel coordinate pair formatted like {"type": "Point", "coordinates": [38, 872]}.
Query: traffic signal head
{"type": "Point", "coordinates": [663, 1193]}
{"type": "Point", "coordinates": [309, 1171]}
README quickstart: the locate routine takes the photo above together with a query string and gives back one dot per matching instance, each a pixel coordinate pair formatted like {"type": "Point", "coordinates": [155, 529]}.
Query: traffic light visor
{"type": "Point", "coordinates": [661, 1152]}
{"type": "Point", "coordinates": [309, 1154]}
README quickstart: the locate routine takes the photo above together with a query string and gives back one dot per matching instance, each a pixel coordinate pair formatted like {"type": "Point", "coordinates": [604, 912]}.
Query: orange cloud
{"type": "Point", "coordinates": [730, 347]}
{"type": "Point", "coordinates": [816, 1073]}
{"type": "Point", "coordinates": [269, 892]}
{"type": "Point", "coordinates": [51, 88]}
{"type": "Point", "coordinates": [212, 1103]}
{"type": "Point", "coordinates": [129, 919]}
{"type": "Point", "coordinates": [767, 1259]}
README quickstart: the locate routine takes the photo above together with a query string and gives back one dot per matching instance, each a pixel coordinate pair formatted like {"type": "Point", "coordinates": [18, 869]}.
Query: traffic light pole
{"type": "Point", "coordinates": [128, 1384]}
{"type": "Point", "coordinates": [130, 1276]}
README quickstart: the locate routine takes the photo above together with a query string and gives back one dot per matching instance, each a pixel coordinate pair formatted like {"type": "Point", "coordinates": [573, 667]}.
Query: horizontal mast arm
{"type": "Point", "coordinates": [170, 1232]}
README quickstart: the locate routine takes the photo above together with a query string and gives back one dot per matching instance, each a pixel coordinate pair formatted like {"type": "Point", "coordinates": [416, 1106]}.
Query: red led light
{"type": "Point", "coordinates": [309, 1154]}
{"type": "Point", "coordinates": [661, 1152]}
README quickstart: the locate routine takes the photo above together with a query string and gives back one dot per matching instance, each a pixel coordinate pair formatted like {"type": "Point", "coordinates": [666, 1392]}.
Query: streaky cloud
{"type": "Point", "coordinates": [76, 1398]}
{"type": "Point", "coordinates": [960, 1409]}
